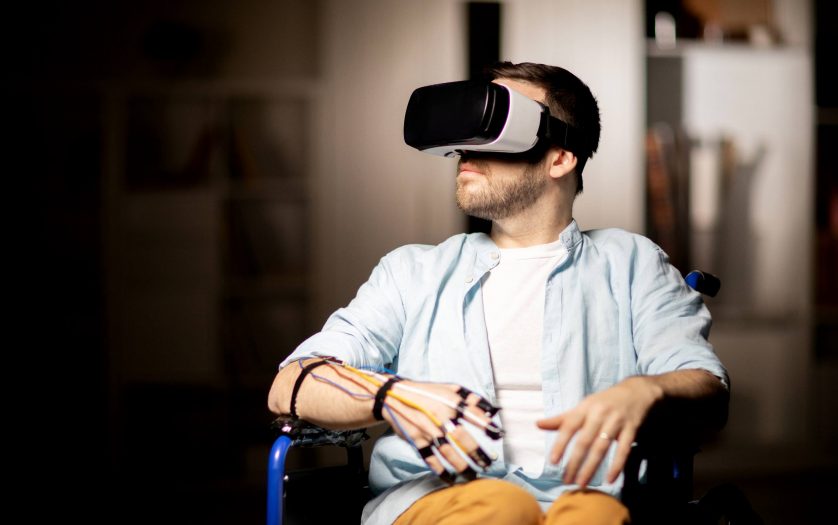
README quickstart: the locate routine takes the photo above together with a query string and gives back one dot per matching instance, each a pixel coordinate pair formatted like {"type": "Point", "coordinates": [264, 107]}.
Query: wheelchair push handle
{"type": "Point", "coordinates": [703, 282]}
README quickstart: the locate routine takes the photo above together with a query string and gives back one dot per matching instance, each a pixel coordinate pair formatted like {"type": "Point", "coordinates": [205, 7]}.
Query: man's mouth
{"type": "Point", "coordinates": [467, 168]}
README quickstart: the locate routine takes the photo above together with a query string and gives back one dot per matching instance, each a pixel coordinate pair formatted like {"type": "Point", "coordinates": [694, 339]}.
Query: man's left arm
{"type": "Point", "coordinates": [679, 376]}
{"type": "Point", "coordinates": [617, 413]}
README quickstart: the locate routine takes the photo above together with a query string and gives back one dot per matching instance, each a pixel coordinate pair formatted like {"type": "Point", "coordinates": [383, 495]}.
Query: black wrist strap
{"type": "Point", "coordinates": [306, 369]}
{"type": "Point", "coordinates": [380, 395]}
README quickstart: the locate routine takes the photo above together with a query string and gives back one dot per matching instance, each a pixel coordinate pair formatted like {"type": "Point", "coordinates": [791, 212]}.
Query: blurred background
{"type": "Point", "coordinates": [203, 182]}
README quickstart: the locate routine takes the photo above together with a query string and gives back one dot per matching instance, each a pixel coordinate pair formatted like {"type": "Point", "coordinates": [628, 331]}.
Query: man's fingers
{"type": "Point", "coordinates": [463, 440]}
{"type": "Point", "coordinates": [584, 440]}
{"type": "Point", "coordinates": [621, 455]}
{"type": "Point", "coordinates": [462, 448]}
{"type": "Point", "coordinates": [550, 423]}
{"type": "Point", "coordinates": [448, 477]}
{"type": "Point", "coordinates": [480, 457]}
{"type": "Point", "coordinates": [450, 454]}
{"type": "Point", "coordinates": [426, 452]}
{"type": "Point", "coordinates": [411, 424]}
{"type": "Point", "coordinates": [469, 474]}
{"type": "Point", "coordinates": [448, 471]}
{"type": "Point", "coordinates": [468, 397]}
{"type": "Point", "coordinates": [489, 428]}
{"type": "Point", "coordinates": [597, 451]}
{"type": "Point", "coordinates": [429, 454]}
{"type": "Point", "coordinates": [478, 411]}
{"type": "Point", "coordinates": [568, 426]}
{"type": "Point", "coordinates": [448, 448]}
{"type": "Point", "coordinates": [459, 403]}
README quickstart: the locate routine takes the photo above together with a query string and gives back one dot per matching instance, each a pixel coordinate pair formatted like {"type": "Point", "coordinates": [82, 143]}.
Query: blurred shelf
{"type": "Point", "coordinates": [687, 46]}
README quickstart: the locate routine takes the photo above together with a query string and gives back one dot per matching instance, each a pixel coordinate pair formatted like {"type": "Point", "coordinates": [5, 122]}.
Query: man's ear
{"type": "Point", "coordinates": [562, 162]}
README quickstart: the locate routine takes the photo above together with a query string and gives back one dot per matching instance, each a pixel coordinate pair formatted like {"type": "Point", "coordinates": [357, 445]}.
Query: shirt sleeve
{"type": "Point", "coordinates": [670, 321]}
{"type": "Point", "coordinates": [368, 331]}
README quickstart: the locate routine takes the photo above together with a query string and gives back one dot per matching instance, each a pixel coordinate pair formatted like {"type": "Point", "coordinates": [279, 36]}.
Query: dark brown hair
{"type": "Point", "coordinates": [568, 98]}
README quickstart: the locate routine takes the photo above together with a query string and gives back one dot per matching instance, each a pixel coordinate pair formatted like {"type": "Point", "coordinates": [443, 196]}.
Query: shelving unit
{"type": "Point", "coordinates": [743, 119]}
{"type": "Point", "coordinates": [208, 215]}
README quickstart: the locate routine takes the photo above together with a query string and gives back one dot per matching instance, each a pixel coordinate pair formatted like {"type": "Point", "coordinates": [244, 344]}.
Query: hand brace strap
{"type": "Point", "coordinates": [306, 369]}
{"type": "Point", "coordinates": [380, 395]}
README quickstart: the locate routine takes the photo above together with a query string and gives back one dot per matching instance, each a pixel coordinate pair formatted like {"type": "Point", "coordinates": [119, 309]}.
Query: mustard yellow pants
{"type": "Point", "coordinates": [497, 502]}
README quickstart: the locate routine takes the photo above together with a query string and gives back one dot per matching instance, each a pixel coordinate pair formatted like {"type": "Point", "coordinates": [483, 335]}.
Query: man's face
{"type": "Point", "coordinates": [494, 187]}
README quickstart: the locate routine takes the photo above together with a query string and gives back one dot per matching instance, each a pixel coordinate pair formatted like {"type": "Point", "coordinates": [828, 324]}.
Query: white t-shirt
{"type": "Point", "coordinates": [513, 302]}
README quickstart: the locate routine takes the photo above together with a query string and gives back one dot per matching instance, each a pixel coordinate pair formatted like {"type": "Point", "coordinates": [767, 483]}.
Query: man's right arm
{"type": "Point", "coordinates": [421, 413]}
{"type": "Point", "coordinates": [367, 333]}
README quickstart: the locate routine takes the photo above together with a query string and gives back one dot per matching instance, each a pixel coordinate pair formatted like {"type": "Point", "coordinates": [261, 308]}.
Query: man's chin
{"type": "Point", "coordinates": [475, 211]}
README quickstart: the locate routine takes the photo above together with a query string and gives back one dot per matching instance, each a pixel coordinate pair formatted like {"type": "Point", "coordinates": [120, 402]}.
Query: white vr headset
{"type": "Point", "coordinates": [477, 116]}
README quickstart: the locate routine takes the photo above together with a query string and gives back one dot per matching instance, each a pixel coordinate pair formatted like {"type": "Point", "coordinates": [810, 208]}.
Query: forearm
{"type": "Point", "coordinates": [329, 405]}
{"type": "Point", "coordinates": [692, 397]}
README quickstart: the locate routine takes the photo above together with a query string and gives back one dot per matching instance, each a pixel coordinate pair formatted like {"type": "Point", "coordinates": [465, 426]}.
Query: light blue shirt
{"type": "Point", "coordinates": [614, 308]}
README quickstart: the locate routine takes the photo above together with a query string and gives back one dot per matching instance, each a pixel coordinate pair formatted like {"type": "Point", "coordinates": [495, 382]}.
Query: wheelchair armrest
{"type": "Point", "coordinates": [295, 432]}
{"type": "Point", "coordinates": [659, 470]}
{"type": "Point", "coordinates": [305, 434]}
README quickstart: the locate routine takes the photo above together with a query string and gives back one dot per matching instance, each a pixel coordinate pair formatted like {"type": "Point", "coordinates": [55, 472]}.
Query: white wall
{"type": "Point", "coordinates": [762, 100]}
{"type": "Point", "coordinates": [374, 192]}
{"type": "Point", "coordinates": [602, 42]}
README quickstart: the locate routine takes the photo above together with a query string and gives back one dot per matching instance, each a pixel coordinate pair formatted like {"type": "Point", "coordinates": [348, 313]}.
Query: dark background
{"type": "Point", "coordinates": [101, 447]}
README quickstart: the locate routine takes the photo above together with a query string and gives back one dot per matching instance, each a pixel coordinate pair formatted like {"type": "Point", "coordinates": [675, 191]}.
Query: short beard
{"type": "Point", "coordinates": [502, 198]}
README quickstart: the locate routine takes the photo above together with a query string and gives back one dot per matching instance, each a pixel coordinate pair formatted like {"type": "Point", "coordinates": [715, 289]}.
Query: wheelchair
{"type": "Point", "coordinates": [658, 476]}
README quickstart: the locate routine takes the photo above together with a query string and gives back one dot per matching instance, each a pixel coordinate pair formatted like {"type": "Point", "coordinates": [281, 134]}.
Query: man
{"type": "Point", "coordinates": [575, 336]}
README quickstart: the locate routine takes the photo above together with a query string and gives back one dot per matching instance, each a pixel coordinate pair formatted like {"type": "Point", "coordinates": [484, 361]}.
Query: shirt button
{"type": "Point", "coordinates": [495, 255]}
{"type": "Point", "coordinates": [469, 279]}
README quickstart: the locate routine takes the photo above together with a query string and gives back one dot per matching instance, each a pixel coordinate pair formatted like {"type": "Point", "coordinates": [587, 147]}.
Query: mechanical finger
{"type": "Point", "coordinates": [431, 456]}
{"type": "Point", "coordinates": [488, 409]}
{"type": "Point", "coordinates": [478, 411]}
{"type": "Point", "coordinates": [468, 445]}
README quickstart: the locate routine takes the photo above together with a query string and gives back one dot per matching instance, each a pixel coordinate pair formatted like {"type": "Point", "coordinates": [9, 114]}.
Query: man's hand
{"type": "Point", "coordinates": [612, 414]}
{"type": "Point", "coordinates": [618, 412]}
{"type": "Point", "coordinates": [430, 416]}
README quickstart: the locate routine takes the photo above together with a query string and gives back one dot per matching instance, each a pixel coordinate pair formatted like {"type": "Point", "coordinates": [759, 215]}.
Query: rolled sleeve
{"type": "Point", "coordinates": [368, 331]}
{"type": "Point", "coordinates": [671, 323]}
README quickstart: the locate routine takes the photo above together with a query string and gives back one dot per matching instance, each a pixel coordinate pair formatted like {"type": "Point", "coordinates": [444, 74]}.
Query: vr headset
{"type": "Point", "coordinates": [476, 116]}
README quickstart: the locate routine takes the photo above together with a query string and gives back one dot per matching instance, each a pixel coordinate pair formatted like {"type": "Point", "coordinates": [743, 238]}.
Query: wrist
{"type": "Point", "coordinates": [651, 387]}
{"type": "Point", "coordinates": [380, 397]}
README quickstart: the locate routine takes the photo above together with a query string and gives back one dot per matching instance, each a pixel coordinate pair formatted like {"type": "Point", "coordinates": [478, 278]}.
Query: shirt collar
{"type": "Point", "coordinates": [487, 253]}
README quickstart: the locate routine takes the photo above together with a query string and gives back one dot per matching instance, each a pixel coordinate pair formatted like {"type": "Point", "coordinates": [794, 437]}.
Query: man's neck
{"type": "Point", "coordinates": [530, 228]}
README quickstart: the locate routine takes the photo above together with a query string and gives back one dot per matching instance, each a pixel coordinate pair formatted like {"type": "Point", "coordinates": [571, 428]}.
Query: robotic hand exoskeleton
{"type": "Point", "coordinates": [443, 409]}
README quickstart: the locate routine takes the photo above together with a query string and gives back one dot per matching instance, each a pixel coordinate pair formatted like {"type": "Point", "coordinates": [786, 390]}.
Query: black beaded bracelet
{"type": "Point", "coordinates": [306, 369]}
